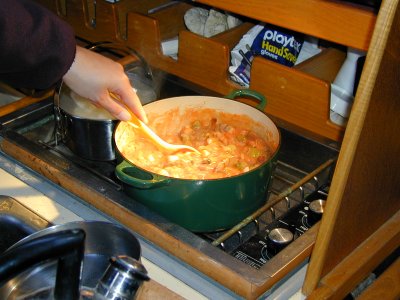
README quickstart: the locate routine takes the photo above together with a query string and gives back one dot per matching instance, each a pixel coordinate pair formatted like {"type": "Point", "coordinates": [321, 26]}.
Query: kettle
{"type": "Point", "coordinates": [77, 260]}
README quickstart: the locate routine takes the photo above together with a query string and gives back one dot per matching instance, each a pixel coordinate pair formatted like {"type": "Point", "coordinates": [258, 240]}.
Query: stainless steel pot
{"type": "Point", "coordinates": [102, 241]}
{"type": "Point", "coordinates": [88, 130]}
{"type": "Point", "coordinates": [85, 129]}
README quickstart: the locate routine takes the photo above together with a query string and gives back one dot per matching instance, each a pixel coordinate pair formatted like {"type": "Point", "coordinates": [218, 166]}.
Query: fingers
{"type": "Point", "coordinates": [113, 106]}
{"type": "Point", "coordinates": [132, 102]}
{"type": "Point", "coordinates": [118, 107]}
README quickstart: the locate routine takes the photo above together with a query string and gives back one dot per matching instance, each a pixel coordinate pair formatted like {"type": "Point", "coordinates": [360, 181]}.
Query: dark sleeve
{"type": "Point", "coordinates": [36, 47]}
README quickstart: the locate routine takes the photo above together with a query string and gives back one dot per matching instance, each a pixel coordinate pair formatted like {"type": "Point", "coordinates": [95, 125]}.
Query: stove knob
{"type": "Point", "coordinates": [279, 238]}
{"type": "Point", "coordinates": [316, 210]}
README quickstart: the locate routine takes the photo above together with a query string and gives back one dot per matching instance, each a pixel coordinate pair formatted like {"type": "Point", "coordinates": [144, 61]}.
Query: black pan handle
{"type": "Point", "coordinates": [67, 246]}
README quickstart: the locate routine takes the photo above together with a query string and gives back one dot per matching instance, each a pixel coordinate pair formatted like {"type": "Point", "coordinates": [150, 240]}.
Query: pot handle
{"type": "Point", "coordinates": [249, 93]}
{"type": "Point", "coordinates": [66, 246]}
{"type": "Point", "coordinates": [137, 178]}
{"type": "Point", "coordinates": [128, 50]}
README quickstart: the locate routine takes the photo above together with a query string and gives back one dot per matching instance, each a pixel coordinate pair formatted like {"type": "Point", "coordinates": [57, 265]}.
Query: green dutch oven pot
{"type": "Point", "coordinates": [203, 205]}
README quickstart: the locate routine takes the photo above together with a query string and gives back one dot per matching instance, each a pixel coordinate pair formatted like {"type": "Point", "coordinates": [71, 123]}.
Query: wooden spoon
{"type": "Point", "coordinates": [136, 123]}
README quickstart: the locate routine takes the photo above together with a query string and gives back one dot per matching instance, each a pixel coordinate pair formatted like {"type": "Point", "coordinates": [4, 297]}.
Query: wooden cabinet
{"type": "Point", "coordinates": [364, 194]}
{"type": "Point", "coordinates": [297, 97]}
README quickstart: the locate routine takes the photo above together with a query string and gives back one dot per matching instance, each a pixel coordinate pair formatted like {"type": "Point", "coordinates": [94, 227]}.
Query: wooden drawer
{"type": "Point", "coordinates": [99, 20]}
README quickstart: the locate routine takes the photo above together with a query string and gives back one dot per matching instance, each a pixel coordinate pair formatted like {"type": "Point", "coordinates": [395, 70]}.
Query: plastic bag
{"type": "Point", "coordinates": [271, 42]}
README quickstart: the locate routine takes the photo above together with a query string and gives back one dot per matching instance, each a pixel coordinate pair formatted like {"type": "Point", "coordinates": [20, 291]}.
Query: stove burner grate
{"type": "Point", "coordinates": [283, 221]}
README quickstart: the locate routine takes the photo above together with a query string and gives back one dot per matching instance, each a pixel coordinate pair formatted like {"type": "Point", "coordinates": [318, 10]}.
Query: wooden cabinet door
{"type": "Point", "coordinates": [365, 189]}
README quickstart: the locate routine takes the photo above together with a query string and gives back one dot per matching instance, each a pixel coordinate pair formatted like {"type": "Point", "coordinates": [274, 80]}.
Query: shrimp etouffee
{"type": "Point", "coordinates": [229, 144]}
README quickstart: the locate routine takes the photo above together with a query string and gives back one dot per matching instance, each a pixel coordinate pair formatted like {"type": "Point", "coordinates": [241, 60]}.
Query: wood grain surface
{"type": "Point", "coordinates": [364, 191]}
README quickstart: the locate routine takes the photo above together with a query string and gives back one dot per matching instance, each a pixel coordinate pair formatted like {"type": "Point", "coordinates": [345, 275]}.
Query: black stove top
{"type": "Point", "coordinates": [265, 244]}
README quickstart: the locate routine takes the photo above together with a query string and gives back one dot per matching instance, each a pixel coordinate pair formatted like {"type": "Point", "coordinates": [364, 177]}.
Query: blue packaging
{"type": "Point", "coordinates": [271, 42]}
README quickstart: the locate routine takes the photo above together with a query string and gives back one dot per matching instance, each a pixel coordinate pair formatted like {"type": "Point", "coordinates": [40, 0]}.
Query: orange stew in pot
{"type": "Point", "coordinates": [229, 144]}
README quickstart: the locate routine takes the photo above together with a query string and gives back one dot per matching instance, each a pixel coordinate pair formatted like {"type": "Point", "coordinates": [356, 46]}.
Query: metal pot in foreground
{"type": "Point", "coordinates": [56, 260]}
{"type": "Point", "coordinates": [201, 205]}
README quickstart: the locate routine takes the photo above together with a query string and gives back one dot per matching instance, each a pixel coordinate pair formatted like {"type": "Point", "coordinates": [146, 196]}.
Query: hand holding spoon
{"type": "Point", "coordinates": [139, 124]}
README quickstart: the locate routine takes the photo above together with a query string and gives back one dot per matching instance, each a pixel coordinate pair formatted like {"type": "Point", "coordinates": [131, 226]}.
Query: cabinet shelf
{"type": "Point", "coordinates": [336, 21]}
{"type": "Point", "coordinates": [296, 96]}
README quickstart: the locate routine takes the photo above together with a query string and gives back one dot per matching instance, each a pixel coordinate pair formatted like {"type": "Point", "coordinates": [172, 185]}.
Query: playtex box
{"type": "Point", "coordinates": [271, 42]}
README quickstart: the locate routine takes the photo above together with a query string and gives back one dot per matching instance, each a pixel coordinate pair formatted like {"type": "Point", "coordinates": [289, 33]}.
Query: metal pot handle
{"type": "Point", "coordinates": [127, 50]}
{"type": "Point", "coordinates": [251, 94]}
{"type": "Point", "coordinates": [137, 178]}
{"type": "Point", "coordinates": [60, 120]}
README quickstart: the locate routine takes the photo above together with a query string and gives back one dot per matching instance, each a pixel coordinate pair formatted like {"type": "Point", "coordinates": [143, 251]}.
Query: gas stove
{"type": "Point", "coordinates": [265, 244]}
{"type": "Point", "coordinates": [252, 258]}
